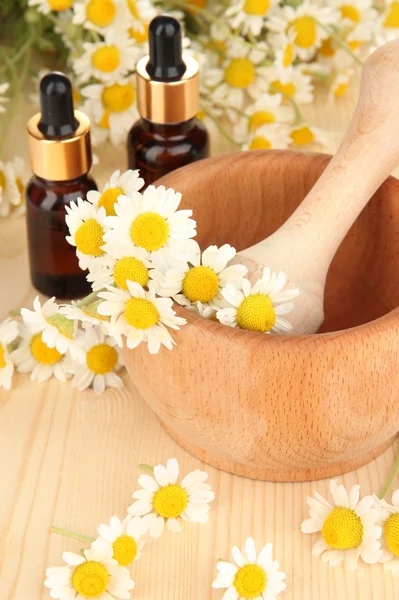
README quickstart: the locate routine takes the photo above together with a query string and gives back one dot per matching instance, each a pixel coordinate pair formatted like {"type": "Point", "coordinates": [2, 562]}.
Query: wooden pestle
{"type": "Point", "coordinates": [305, 245]}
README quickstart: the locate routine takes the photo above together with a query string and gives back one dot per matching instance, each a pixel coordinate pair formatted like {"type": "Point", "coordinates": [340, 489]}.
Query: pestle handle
{"type": "Point", "coordinates": [366, 157]}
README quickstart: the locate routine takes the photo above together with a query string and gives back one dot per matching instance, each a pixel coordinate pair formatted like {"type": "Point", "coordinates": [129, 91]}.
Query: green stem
{"type": "Point", "coordinates": [72, 534]}
{"type": "Point", "coordinates": [222, 130]}
{"type": "Point", "coordinates": [88, 299]}
{"type": "Point", "coordinates": [339, 41]}
{"type": "Point", "coordinates": [391, 477]}
{"type": "Point", "coordinates": [144, 467]}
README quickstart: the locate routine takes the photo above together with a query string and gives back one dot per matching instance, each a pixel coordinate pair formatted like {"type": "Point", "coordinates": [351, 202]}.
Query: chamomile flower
{"type": "Point", "coordinates": [389, 522]}
{"type": "Point", "coordinates": [86, 226]}
{"type": "Point", "coordinates": [100, 14]}
{"type": "Point", "coordinates": [151, 221]}
{"type": "Point", "coordinates": [260, 307]}
{"type": "Point", "coordinates": [164, 501]}
{"type": "Point", "coordinates": [292, 84]}
{"type": "Point", "coordinates": [107, 60]}
{"type": "Point", "coordinates": [340, 84]}
{"type": "Point", "coordinates": [94, 575]}
{"type": "Point", "coordinates": [240, 76]}
{"type": "Point", "coordinates": [285, 50]}
{"type": "Point", "coordinates": [47, 6]}
{"type": "Point", "coordinates": [390, 17]}
{"type": "Point", "coordinates": [85, 314]}
{"type": "Point", "coordinates": [8, 333]}
{"type": "Point", "coordinates": [142, 12]}
{"type": "Point", "coordinates": [9, 191]}
{"type": "Point", "coordinates": [267, 109]}
{"type": "Point", "coordinates": [353, 12]}
{"type": "Point", "coordinates": [123, 538]}
{"type": "Point", "coordinates": [112, 108]}
{"type": "Point", "coordinates": [125, 184]}
{"type": "Point", "coordinates": [250, 576]}
{"type": "Point", "coordinates": [250, 15]}
{"type": "Point", "coordinates": [103, 361]}
{"type": "Point", "coordinates": [305, 134]}
{"type": "Point", "coordinates": [3, 89]}
{"type": "Point", "coordinates": [202, 280]}
{"type": "Point", "coordinates": [139, 316]}
{"type": "Point", "coordinates": [274, 135]}
{"type": "Point", "coordinates": [306, 22]}
{"type": "Point", "coordinates": [119, 266]}
{"type": "Point", "coordinates": [57, 331]}
{"type": "Point", "coordinates": [35, 357]}
{"type": "Point", "coordinates": [349, 529]}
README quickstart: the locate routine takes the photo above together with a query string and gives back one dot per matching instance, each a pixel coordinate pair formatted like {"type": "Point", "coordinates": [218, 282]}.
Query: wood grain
{"type": "Point", "coordinates": [70, 459]}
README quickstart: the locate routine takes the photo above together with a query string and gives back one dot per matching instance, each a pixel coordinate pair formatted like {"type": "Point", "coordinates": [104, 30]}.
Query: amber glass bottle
{"type": "Point", "coordinates": [60, 151]}
{"type": "Point", "coordinates": [157, 149]}
{"type": "Point", "coordinates": [53, 263]}
{"type": "Point", "coordinates": [168, 135]}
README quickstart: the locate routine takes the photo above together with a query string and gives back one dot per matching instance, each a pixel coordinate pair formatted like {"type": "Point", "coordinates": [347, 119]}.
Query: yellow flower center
{"type": "Point", "coordinates": [141, 313]}
{"type": "Point", "coordinates": [42, 353]}
{"type": "Point", "coordinates": [132, 269]}
{"type": "Point", "coordinates": [21, 189]}
{"type": "Point", "coordinates": [326, 48]}
{"type": "Point", "coordinates": [199, 3]}
{"type": "Point", "coordinates": [106, 59]}
{"type": "Point", "coordinates": [306, 32]}
{"type": "Point", "coordinates": [350, 12]}
{"type": "Point", "coordinates": [302, 135]}
{"type": "Point", "coordinates": [102, 359]}
{"type": "Point", "coordinates": [149, 231]}
{"type": "Point", "coordinates": [170, 501]}
{"type": "Point", "coordinates": [133, 8]}
{"type": "Point", "coordinates": [200, 115]}
{"type": "Point", "coordinates": [392, 18]}
{"type": "Point", "coordinates": [240, 73]}
{"type": "Point", "coordinates": [3, 180]}
{"type": "Point", "coordinates": [355, 44]}
{"type": "Point", "coordinates": [287, 89]}
{"type": "Point", "coordinates": [101, 12]}
{"type": "Point", "coordinates": [118, 98]}
{"type": "Point", "coordinates": [341, 89]}
{"type": "Point", "coordinates": [2, 359]}
{"type": "Point", "coordinates": [391, 532]}
{"type": "Point", "coordinates": [256, 313]}
{"type": "Point", "coordinates": [89, 238]}
{"type": "Point", "coordinates": [259, 142]}
{"type": "Point", "coordinates": [139, 36]}
{"type": "Point", "coordinates": [90, 579]}
{"type": "Point", "coordinates": [250, 581]}
{"type": "Point", "coordinates": [104, 122]}
{"type": "Point", "coordinates": [288, 56]}
{"type": "Point", "coordinates": [200, 284]}
{"type": "Point", "coordinates": [125, 550]}
{"type": "Point", "coordinates": [108, 199]}
{"type": "Point", "coordinates": [256, 7]}
{"type": "Point", "coordinates": [342, 529]}
{"type": "Point", "coordinates": [259, 118]}
{"type": "Point", "coordinates": [59, 5]}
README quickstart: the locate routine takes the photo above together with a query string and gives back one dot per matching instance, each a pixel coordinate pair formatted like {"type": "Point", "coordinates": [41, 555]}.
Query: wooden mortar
{"type": "Point", "coordinates": [273, 407]}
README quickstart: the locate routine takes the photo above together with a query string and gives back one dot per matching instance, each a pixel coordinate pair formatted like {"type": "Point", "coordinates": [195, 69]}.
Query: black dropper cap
{"type": "Point", "coordinates": [166, 61]}
{"type": "Point", "coordinates": [56, 106]}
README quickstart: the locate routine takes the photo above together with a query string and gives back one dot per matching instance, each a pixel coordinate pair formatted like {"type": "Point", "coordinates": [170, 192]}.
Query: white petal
{"type": "Point", "coordinates": [250, 550]}
{"type": "Point", "coordinates": [148, 483]}
{"type": "Point", "coordinates": [161, 475]}
{"type": "Point", "coordinates": [354, 495]}
{"type": "Point", "coordinates": [364, 505]}
{"type": "Point", "coordinates": [173, 525]}
{"type": "Point", "coordinates": [157, 527]}
{"type": "Point", "coordinates": [237, 556]}
{"type": "Point", "coordinates": [311, 525]}
{"type": "Point", "coordinates": [320, 547]}
{"type": "Point", "coordinates": [351, 558]}
{"type": "Point", "coordinates": [339, 494]}
{"type": "Point", "coordinates": [265, 555]}
{"type": "Point", "coordinates": [72, 559]}
{"type": "Point", "coordinates": [172, 467]}
{"type": "Point", "coordinates": [226, 567]}
{"type": "Point", "coordinates": [230, 594]}
{"type": "Point", "coordinates": [194, 477]}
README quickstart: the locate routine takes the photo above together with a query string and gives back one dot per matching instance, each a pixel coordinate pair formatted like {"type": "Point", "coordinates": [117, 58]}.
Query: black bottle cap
{"type": "Point", "coordinates": [166, 61]}
{"type": "Point", "coordinates": [56, 106]}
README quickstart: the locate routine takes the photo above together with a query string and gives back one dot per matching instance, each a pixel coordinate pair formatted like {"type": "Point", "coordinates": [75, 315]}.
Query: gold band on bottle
{"type": "Point", "coordinates": [60, 160]}
{"type": "Point", "coordinates": [168, 102]}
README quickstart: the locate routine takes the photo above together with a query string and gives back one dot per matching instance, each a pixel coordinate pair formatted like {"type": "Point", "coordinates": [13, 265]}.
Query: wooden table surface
{"type": "Point", "coordinates": [70, 459]}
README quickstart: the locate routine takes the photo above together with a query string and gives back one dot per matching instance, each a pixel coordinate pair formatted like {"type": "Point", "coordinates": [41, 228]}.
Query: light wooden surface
{"type": "Point", "coordinates": [70, 459]}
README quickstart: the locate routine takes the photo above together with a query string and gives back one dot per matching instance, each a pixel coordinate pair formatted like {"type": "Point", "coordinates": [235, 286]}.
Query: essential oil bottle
{"type": "Point", "coordinates": [60, 157]}
{"type": "Point", "coordinates": [168, 135]}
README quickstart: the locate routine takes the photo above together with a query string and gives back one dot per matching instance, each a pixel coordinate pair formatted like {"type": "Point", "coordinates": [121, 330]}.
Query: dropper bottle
{"type": "Point", "coordinates": [60, 157]}
{"type": "Point", "coordinates": [168, 135]}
